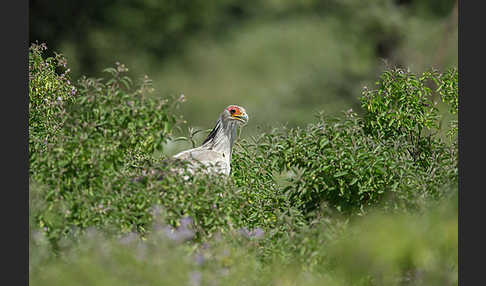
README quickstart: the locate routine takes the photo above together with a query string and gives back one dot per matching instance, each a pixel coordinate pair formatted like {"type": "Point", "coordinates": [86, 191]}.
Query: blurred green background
{"type": "Point", "coordinates": [283, 60]}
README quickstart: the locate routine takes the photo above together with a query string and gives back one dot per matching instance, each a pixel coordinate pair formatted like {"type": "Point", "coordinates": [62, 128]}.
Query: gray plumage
{"type": "Point", "coordinates": [215, 152]}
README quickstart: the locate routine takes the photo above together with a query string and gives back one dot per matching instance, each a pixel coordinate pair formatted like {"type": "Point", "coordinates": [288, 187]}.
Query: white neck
{"type": "Point", "coordinates": [222, 137]}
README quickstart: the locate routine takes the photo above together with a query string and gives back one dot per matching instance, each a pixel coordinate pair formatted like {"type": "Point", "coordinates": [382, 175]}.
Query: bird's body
{"type": "Point", "coordinates": [214, 155]}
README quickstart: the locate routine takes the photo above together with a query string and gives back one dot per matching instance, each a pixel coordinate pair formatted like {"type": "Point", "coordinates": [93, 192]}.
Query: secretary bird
{"type": "Point", "coordinates": [215, 152]}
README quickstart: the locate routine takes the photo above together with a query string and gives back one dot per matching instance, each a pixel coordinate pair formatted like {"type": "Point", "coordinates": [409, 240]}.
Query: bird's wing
{"type": "Point", "coordinates": [199, 154]}
{"type": "Point", "coordinates": [209, 158]}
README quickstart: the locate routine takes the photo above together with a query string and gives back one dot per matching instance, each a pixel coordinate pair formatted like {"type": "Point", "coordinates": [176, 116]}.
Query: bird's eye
{"type": "Point", "coordinates": [232, 111]}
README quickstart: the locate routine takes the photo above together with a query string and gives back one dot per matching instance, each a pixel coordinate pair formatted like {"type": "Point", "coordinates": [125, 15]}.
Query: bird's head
{"type": "Point", "coordinates": [230, 118]}
{"type": "Point", "coordinates": [235, 112]}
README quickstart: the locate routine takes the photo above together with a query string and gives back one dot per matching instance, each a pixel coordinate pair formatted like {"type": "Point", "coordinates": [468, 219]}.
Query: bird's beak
{"type": "Point", "coordinates": [243, 117]}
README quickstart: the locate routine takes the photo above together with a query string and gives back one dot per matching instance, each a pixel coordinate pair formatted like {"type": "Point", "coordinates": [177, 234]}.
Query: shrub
{"type": "Point", "coordinates": [218, 203]}
{"type": "Point", "coordinates": [84, 162]}
{"type": "Point", "coordinates": [49, 92]}
{"type": "Point", "coordinates": [379, 249]}
{"type": "Point", "coordinates": [335, 163]}
{"type": "Point", "coordinates": [87, 148]}
{"type": "Point", "coordinates": [384, 158]}
{"type": "Point", "coordinates": [80, 138]}
{"type": "Point", "coordinates": [404, 105]}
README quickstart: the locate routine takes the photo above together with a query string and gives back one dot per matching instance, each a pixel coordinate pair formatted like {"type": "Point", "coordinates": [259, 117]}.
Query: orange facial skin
{"type": "Point", "coordinates": [234, 110]}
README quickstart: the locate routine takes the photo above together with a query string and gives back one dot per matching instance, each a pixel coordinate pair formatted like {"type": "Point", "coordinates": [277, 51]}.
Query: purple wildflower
{"type": "Point", "coordinates": [199, 259]}
{"type": "Point", "coordinates": [244, 232]}
{"type": "Point", "coordinates": [195, 278]}
{"type": "Point", "coordinates": [186, 221]}
{"type": "Point", "coordinates": [180, 234]}
{"type": "Point", "coordinates": [257, 233]}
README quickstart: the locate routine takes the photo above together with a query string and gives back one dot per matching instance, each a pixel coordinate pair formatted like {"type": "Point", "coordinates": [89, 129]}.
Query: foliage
{"type": "Point", "coordinates": [383, 158]}
{"type": "Point", "coordinates": [403, 104]}
{"type": "Point", "coordinates": [80, 137]}
{"type": "Point", "coordinates": [49, 92]}
{"type": "Point", "coordinates": [216, 203]}
{"type": "Point", "coordinates": [85, 170]}
{"type": "Point", "coordinates": [380, 249]}
{"type": "Point", "coordinates": [101, 200]}
{"type": "Point", "coordinates": [335, 163]}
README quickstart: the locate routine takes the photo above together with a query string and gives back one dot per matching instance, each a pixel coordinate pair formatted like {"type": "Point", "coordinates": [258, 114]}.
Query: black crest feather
{"type": "Point", "coordinates": [213, 132]}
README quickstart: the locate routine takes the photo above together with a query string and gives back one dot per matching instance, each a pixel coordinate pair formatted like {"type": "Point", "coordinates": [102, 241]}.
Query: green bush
{"type": "Point", "coordinates": [49, 93]}
{"type": "Point", "coordinates": [84, 162]}
{"type": "Point", "coordinates": [353, 163]}
{"type": "Point", "coordinates": [216, 204]}
{"type": "Point", "coordinates": [92, 162]}
{"type": "Point", "coordinates": [301, 206]}
{"type": "Point", "coordinates": [379, 249]}
{"type": "Point", "coordinates": [404, 104]}
{"type": "Point", "coordinates": [80, 138]}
